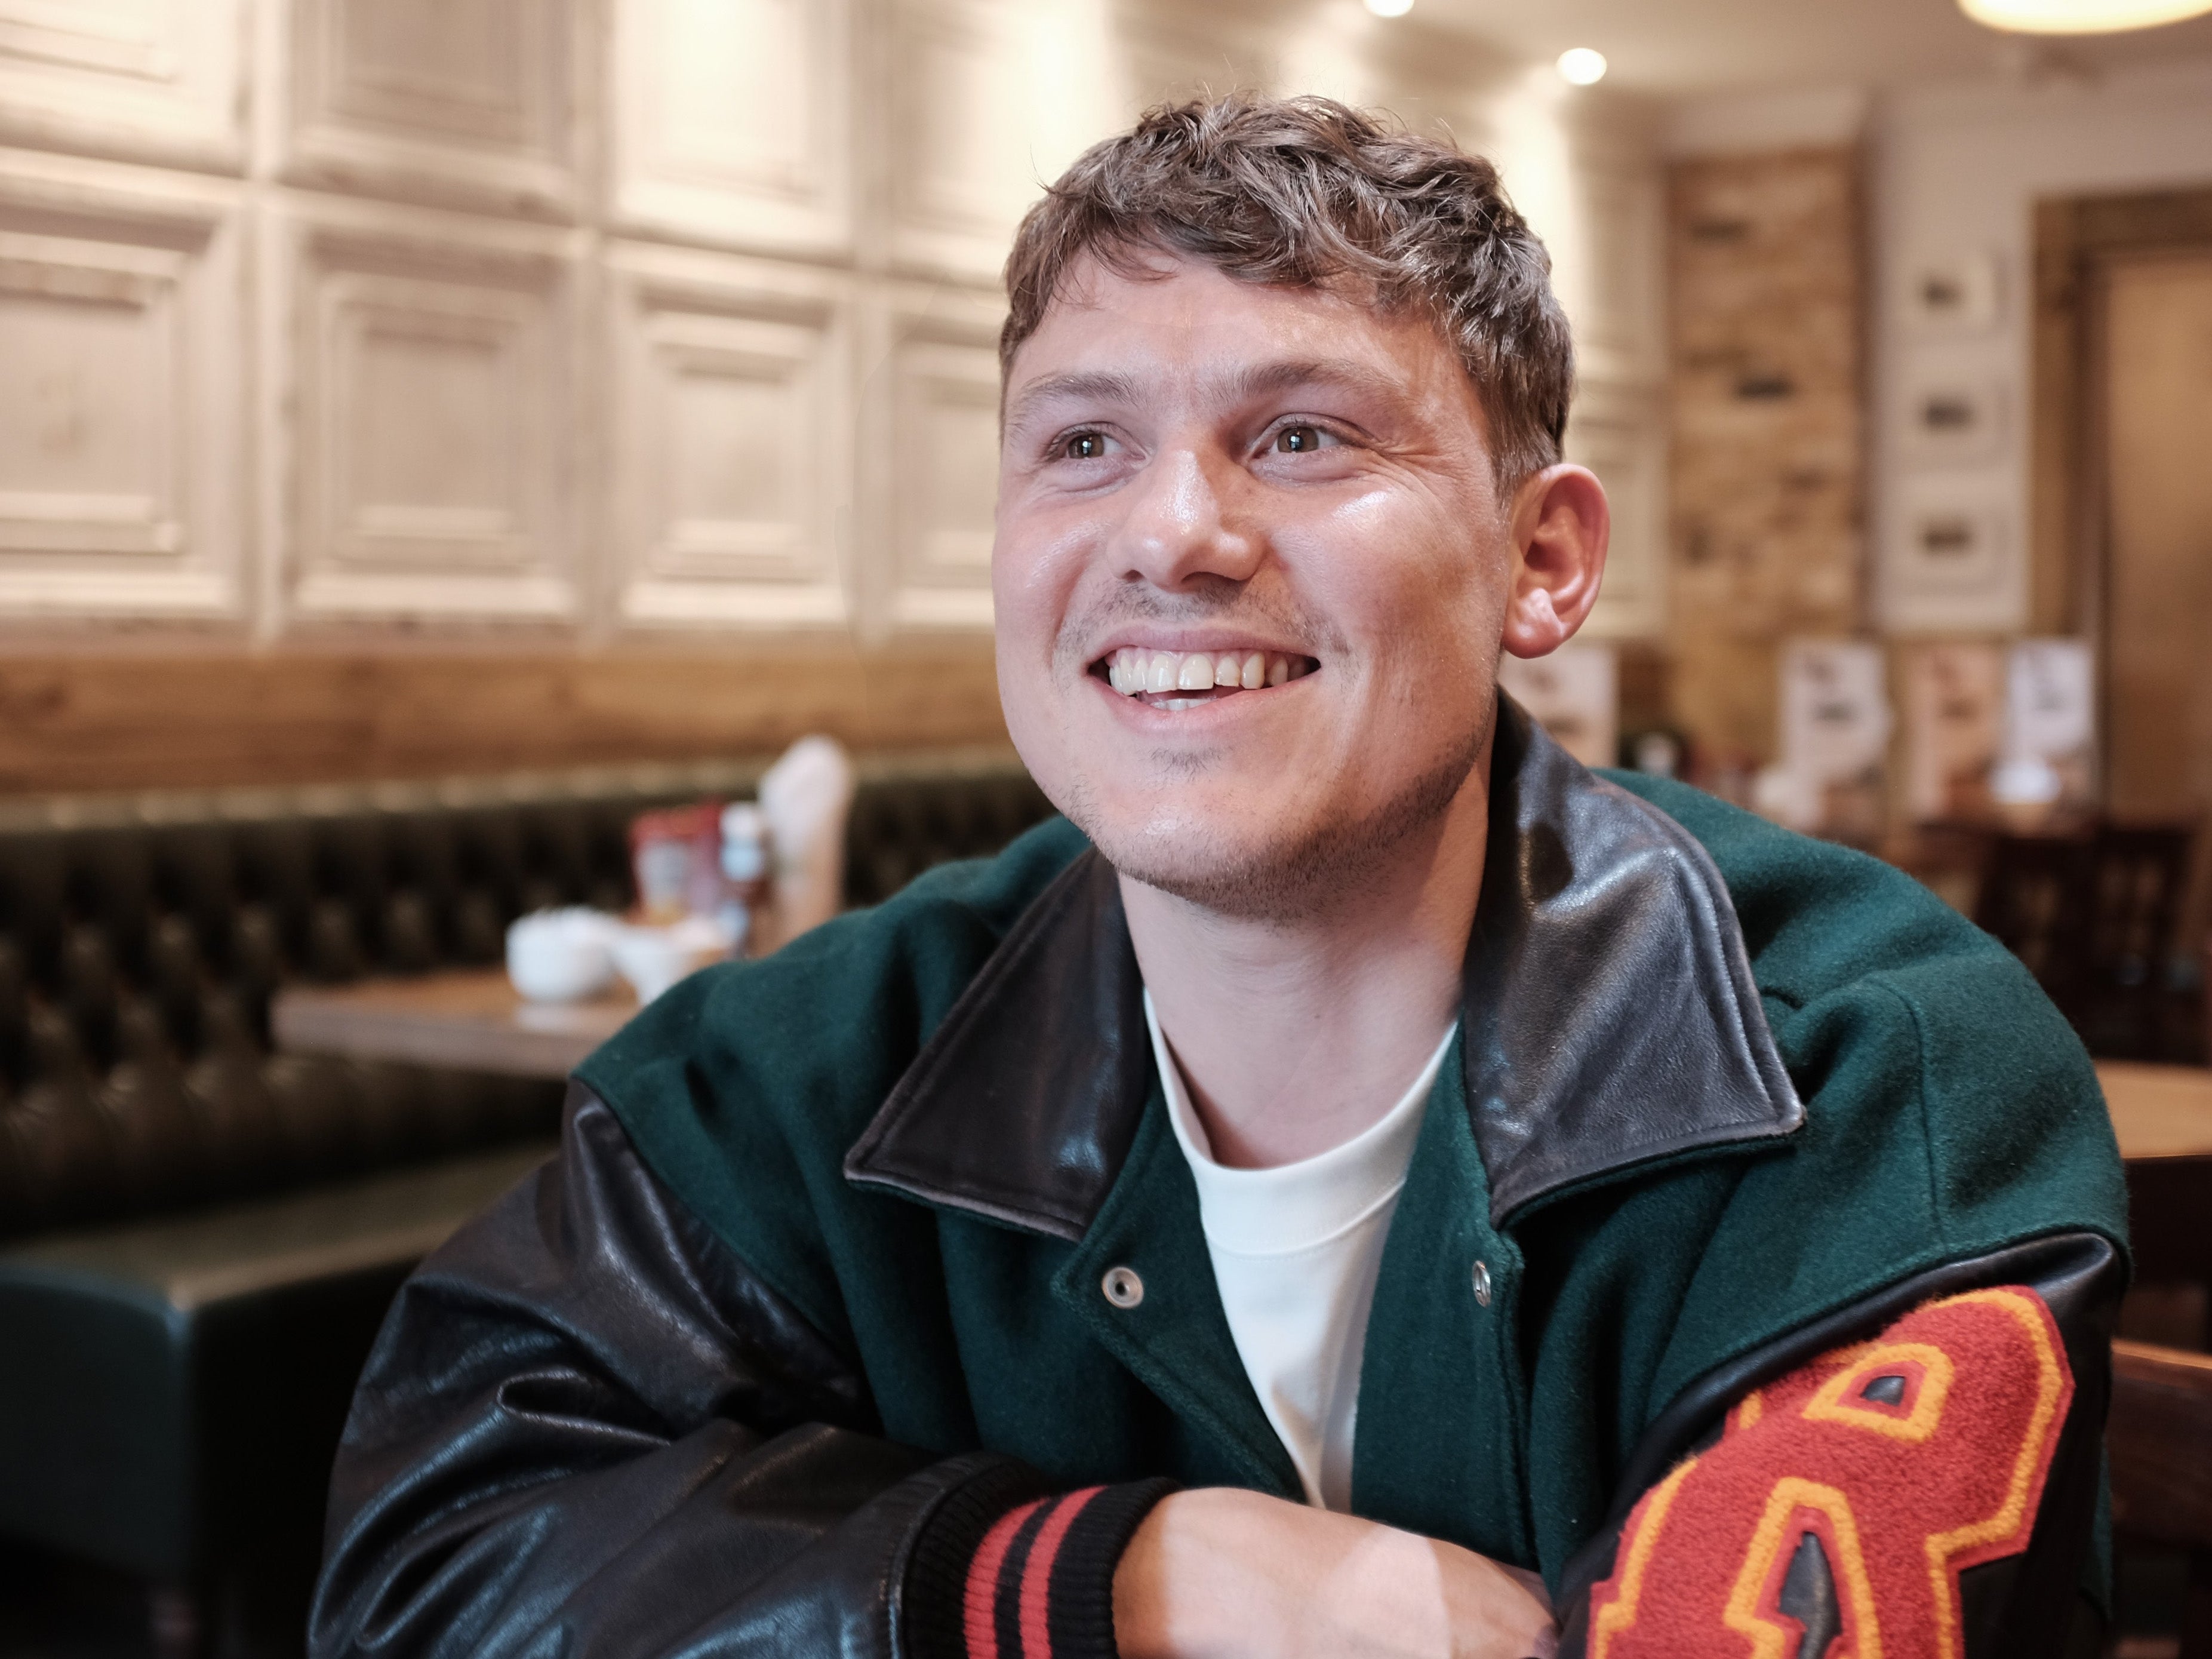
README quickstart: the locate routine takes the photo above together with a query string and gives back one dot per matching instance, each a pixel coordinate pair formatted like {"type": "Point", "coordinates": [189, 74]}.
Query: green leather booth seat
{"type": "Point", "coordinates": [174, 1387]}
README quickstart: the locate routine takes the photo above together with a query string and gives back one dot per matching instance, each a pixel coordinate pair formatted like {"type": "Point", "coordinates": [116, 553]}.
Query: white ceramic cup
{"type": "Point", "coordinates": [654, 958]}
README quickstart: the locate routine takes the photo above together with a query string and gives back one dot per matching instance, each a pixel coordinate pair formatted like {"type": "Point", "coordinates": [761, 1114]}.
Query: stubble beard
{"type": "Point", "coordinates": [1287, 881]}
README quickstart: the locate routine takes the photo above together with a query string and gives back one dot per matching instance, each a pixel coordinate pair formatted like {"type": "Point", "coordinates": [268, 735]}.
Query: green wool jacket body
{"type": "Point", "coordinates": [1723, 1098]}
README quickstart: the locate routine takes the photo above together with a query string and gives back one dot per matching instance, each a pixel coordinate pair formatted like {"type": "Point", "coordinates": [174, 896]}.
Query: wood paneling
{"type": "Point", "coordinates": [86, 724]}
{"type": "Point", "coordinates": [384, 382]}
{"type": "Point", "coordinates": [729, 121]}
{"type": "Point", "coordinates": [943, 445]}
{"type": "Point", "coordinates": [153, 79]}
{"type": "Point", "coordinates": [961, 133]}
{"type": "Point", "coordinates": [1619, 432]}
{"type": "Point", "coordinates": [120, 482]}
{"type": "Point", "coordinates": [732, 441]}
{"type": "Point", "coordinates": [436, 430]}
{"type": "Point", "coordinates": [461, 101]}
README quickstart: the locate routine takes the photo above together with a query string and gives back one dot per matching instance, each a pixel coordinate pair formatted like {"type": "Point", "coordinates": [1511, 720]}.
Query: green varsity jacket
{"type": "Point", "coordinates": [818, 1286]}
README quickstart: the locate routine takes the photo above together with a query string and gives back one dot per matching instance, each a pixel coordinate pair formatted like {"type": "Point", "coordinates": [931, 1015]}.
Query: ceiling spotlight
{"type": "Point", "coordinates": [1400, 8]}
{"type": "Point", "coordinates": [2080, 17]}
{"type": "Point", "coordinates": [1582, 67]}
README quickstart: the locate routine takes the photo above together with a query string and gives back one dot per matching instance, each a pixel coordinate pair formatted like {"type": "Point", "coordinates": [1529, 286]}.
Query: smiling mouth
{"type": "Point", "coordinates": [1185, 680]}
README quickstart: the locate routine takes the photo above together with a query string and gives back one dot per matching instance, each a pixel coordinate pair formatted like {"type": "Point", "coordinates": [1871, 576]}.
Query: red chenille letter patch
{"type": "Point", "coordinates": [1889, 1467]}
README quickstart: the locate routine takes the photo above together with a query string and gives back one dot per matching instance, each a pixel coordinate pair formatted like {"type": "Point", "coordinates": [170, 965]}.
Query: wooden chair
{"type": "Point", "coordinates": [2093, 913]}
{"type": "Point", "coordinates": [2135, 876]}
{"type": "Point", "coordinates": [2034, 897]}
{"type": "Point", "coordinates": [2159, 1438]}
{"type": "Point", "coordinates": [2204, 984]}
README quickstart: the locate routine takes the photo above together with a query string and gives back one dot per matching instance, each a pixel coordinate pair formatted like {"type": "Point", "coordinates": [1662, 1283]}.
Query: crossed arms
{"type": "Point", "coordinates": [587, 1423]}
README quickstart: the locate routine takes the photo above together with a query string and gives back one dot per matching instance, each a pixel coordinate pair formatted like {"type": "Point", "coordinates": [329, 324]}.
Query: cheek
{"type": "Point", "coordinates": [1037, 561]}
{"type": "Point", "coordinates": [1036, 569]}
{"type": "Point", "coordinates": [1409, 584]}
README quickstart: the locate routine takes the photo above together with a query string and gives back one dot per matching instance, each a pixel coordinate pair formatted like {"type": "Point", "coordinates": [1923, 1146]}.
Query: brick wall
{"type": "Point", "coordinates": [1766, 267]}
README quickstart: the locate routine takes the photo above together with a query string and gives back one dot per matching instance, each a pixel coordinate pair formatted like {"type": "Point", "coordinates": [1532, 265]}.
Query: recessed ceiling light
{"type": "Point", "coordinates": [1389, 8]}
{"type": "Point", "coordinates": [1585, 68]}
{"type": "Point", "coordinates": [2080, 17]}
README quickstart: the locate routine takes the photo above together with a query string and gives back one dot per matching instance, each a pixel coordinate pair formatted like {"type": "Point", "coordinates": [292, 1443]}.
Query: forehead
{"type": "Point", "coordinates": [1174, 323]}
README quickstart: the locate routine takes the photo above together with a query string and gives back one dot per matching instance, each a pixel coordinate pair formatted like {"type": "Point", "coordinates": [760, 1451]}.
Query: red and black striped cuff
{"type": "Point", "coordinates": [1034, 1580]}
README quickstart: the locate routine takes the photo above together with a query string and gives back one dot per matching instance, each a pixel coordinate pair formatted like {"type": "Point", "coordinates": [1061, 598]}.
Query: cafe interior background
{"type": "Point", "coordinates": [445, 442]}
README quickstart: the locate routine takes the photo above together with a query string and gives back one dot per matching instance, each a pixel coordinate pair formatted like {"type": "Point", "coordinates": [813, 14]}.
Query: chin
{"type": "Point", "coordinates": [1273, 880]}
{"type": "Point", "coordinates": [1264, 867]}
{"type": "Point", "coordinates": [1208, 864]}
{"type": "Point", "coordinates": [1267, 836]}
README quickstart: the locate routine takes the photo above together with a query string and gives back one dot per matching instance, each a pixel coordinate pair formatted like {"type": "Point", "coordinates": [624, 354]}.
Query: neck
{"type": "Point", "coordinates": [1295, 1036]}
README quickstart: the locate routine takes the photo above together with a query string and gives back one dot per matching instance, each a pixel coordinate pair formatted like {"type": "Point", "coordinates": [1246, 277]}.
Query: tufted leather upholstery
{"type": "Point", "coordinates": [140, 943]}
{"type": "Point", "coordinates": [205, 1234]}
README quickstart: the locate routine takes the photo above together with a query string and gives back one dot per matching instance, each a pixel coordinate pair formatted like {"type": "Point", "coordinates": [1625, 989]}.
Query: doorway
{"type": "Point", "coordinates": [2156, 390]}
{"type": "Point", "coordinates": [2122, 498]}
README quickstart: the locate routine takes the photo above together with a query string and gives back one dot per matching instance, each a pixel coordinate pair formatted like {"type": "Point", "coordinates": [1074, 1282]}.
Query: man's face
{"type": "Point", "coordinates": [1250, 571]}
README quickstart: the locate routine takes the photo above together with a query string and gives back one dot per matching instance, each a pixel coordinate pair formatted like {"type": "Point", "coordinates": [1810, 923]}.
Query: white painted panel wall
{"type": "Point", "coordinates": [120, 423]}
{"type": "Point", "coordinates": [153, 79]}
{"type": "Point", "coordinates": [426, 428]}
{"type": "Point", "coordinates": [1955, 175]}
{"type": "Point", "coordinates": [729, 121]}
{"type": "Point", "coordinates": [463, 101]}
{"type": "Point", "coordinates": [731, 440]}
{"type": "Point", "coordinates": [1619, 431]}
{"type": "Point", "coordinates": [626, 318]}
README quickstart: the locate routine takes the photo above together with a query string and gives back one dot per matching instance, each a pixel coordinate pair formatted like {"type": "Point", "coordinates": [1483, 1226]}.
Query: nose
{"type": "Point", "coordinates": [1179, 531]}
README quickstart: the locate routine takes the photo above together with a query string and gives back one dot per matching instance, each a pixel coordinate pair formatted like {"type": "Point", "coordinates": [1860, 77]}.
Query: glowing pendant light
{"type": "Point", "coordinates": [2080, 17]}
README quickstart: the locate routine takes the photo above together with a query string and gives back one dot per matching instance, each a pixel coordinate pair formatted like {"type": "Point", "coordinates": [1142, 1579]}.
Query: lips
{"type": "Point", "coordinates": [1183, 679]}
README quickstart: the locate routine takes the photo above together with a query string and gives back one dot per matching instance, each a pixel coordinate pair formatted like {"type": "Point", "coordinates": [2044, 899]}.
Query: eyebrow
{"type": "Point", "coordinates": [1256, 380]}
{"type": "Point", "coordinates": [1101, 385]}
{"type": "Point", "coordinates": [1282, 376]}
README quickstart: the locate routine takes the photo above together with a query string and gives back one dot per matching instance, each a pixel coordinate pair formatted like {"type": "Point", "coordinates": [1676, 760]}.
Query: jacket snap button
{"type": "Point", "coordinates": [1482, 1284]}
{"type": "Point", "coordinates": [1122, 1287]}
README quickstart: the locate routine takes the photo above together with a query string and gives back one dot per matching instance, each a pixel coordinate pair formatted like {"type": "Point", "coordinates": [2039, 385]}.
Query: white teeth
{"type": "Point", "coordinates": [1134, 671]}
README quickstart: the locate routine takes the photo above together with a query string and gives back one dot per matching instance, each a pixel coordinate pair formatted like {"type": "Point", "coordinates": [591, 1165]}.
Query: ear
{"type": "Point", "coordinates": [1560, 526]}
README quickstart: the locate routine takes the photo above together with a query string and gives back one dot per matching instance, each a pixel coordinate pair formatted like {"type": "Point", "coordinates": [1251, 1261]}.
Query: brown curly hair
{"type": "Point", "coordinates": [1305, 191]}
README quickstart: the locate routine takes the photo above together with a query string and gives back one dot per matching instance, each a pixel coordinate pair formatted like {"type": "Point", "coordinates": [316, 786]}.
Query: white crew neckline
{"type": "Point", "coordinates": [1295, 1251]}
{"type": "Point", "coordinates": [1295, 1206]}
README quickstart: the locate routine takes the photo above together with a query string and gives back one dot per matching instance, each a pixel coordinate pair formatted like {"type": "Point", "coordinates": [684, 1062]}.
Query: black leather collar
{"type": "Point", "coordinates": [1609, 1018]}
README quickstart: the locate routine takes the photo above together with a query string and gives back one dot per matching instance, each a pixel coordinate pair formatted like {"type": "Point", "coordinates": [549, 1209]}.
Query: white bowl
{"type": "Point", "coordinates": [562, 955]}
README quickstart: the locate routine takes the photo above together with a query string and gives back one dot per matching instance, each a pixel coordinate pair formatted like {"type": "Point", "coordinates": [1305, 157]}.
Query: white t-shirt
{"type": "Point", "coordinates": [1296, 1250]}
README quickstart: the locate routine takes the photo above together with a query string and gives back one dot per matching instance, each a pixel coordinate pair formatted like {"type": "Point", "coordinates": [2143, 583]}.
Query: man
{"type": "Point", "coordinates": [1360, 1185]}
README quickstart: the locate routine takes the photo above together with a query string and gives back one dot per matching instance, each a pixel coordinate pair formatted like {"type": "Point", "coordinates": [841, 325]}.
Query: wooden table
{"type": "Point", "coordinates": [2158, 1112]}
{"type": "Point", "coordinates": [471, 1020]}
{"type": "Point", "coordinates": [2163, 1115]}
{"type": "Point", "coordinates": [474, 1020]}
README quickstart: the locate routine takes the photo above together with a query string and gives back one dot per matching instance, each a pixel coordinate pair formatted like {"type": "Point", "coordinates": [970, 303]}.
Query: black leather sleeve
{"type": "Point", "coordinates": [2027, 1606]}
{"type": "Point", "coordinates": [588, 1430]}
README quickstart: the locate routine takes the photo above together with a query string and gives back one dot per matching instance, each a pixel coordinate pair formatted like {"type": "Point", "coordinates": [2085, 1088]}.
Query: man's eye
{"type": "Point", "coordinates": [1299, 440]}
{"type": "Point", "coordinates": [1084, 446]}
